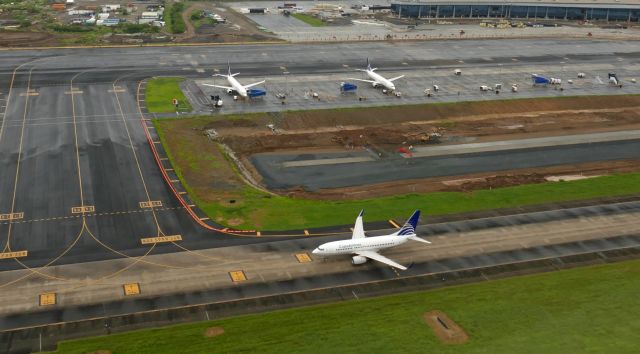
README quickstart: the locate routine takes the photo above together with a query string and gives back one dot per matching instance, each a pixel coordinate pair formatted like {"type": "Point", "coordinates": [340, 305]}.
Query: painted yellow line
{"type": "Point", "coordinates": [204, 219]}
{"type": "Point", "coordinates": [170, 238]}
{"type": "Point", "coordinates": [174, 181]}
{"type": "Point", "coordinates": [393, 223]}
{"type": "Point", "coordinates": [182, 193]}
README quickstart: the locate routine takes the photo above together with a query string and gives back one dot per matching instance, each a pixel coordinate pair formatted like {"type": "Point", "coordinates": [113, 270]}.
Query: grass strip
{"type": "Point", "coordinates": [591, 309]}
{"type": "Point", "coordinates": [159, 94]}
{"type": "Point", "coordinates": [308, 19]}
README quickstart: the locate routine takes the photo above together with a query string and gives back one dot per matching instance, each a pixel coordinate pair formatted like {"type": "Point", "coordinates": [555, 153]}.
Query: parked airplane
{"type": "Point", "coordinates": [377, 79]}
{"type": "Point", "coordinates": [239, 89]}
{"type": "Point", "coordinates": [367, 247]}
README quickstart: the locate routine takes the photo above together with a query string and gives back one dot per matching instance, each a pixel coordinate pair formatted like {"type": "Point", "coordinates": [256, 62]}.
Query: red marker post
{"type": "Point", "coordinates": [175, 102]}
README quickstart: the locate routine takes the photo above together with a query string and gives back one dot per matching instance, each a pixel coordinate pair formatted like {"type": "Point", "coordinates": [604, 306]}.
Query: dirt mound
{"type": "Point", "coordinates": [502, 181]}
{"type": "Point", "coordinates": [444, 328]}
{"type": "Point", "coordinates": [100, 352]}
{"type": "Point", "coordinates": [28, 39]}
{"type": "Point", "coordinates": [213, 332]}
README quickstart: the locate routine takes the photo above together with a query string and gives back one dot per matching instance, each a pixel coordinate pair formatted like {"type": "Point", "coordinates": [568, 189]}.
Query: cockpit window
{"type": "Point", "coordinates": [321, 249]}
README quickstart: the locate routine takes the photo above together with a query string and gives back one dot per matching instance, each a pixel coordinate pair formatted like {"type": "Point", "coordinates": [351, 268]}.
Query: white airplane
{"type": "Point", "coordinates": [367, 247]}
{"type": "Point", "coordinates": [242, 90]}
{"type": "Point", "coordinates": [377, 79]}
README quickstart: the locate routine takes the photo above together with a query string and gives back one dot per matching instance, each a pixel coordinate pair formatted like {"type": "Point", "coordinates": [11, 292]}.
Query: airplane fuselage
{"type": "Point", "coordinates": [237, 86]}
{"type": "Point", "coordinates": [381, 80]}
{"type": "Point", "coordinates": [352, 246]}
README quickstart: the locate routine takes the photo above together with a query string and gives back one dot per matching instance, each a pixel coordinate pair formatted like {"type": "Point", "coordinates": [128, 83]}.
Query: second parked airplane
{"type": "Point", "coordinates": [377, 79]}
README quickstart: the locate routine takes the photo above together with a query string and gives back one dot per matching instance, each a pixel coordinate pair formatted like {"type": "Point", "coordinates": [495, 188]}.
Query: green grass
{"type": "Point", "coordinates": [583, 310]}
{"type": "Point", "coordinates": [159, 93]}
{"type": "Point", "coordinates": [282, 213]}
{"type": "Point", "coordinates": [173, 18]}
{"type": "Point", "coordinates": [313, 21]}
{"type": "Point", "coordinates": [267, 212]}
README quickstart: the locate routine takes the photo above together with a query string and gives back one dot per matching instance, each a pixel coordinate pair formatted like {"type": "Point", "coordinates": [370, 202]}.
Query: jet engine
{"type": "Point", "coordinates": [358, 260]}
{"type": "Point", "coordinates": [231, 91]}
{"type": "Point", "coordinates": [375, 84]}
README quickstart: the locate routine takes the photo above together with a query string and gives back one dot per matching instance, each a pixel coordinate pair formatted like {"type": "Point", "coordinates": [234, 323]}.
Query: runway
{"type": "Point", "coordinates": [176, 280]}
{"type": "Point", "coordinates": [313, 171]}
{"type": "Point", "coordinates": [79, 183]}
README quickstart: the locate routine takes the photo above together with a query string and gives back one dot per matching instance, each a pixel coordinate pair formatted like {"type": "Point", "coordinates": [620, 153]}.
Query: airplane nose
{"type": "Point", "coordinates": [315, 251]}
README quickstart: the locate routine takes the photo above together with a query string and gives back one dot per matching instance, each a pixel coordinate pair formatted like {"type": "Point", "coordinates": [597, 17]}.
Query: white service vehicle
{"type": "Point", "coordinates": [485, 88]}
{"type": "Point", "coordinates": [363, 248]}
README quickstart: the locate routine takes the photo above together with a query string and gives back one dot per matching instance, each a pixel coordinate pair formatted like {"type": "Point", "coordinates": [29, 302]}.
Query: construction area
{"type": "Point", "coordinates": [349, 154]}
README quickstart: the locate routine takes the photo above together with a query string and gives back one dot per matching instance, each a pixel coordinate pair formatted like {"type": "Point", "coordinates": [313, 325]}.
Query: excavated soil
{"type": "Point", "coordinates": [389, 129]}
{"type": "Point", "coordinates": [26, 39]}
{"type": "Point", "coordinates": [445, 328]}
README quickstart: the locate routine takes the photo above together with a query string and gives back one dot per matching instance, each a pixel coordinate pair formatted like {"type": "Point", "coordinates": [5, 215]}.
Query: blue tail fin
{"type": "Point", "coordinates": [409, 227]}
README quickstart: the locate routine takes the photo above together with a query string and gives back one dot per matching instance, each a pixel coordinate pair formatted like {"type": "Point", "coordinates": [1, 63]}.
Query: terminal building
{"type": "Point", "coordinates": [579, 10]}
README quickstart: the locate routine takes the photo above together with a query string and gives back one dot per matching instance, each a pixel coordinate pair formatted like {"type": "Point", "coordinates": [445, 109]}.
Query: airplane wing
{"type": "Point", "coordinates": [218, 86]}
{"type": "Point", "coordinates": [358, 228]}
{"type": "Point", "coordinates": [369, 81]}
{"type": "Point", "coordinates": [254, 84]}
{"type": "Point", "coordinates": [396, 78]}
{"type": "Point", "coordinates": [380, 258]}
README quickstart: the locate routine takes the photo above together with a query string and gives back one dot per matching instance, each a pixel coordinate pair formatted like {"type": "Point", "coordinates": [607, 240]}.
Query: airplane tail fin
{"type": "Point", "coordinates": [368, 64]}
{"type": "Point", "coordinates": [409, 227]}
{"type": "Point", "coordinates": [229, 66]}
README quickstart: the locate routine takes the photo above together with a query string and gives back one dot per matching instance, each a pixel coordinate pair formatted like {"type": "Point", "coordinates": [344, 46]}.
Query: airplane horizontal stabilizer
{"type": "Point", "coordinates": [254, 84]}
{"type": "Point", "coordinates": [416, 238]}
{"type": "Point", "coordinates": [396, 78]}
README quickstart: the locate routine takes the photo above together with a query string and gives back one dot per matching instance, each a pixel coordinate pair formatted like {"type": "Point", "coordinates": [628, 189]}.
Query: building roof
{"type": "Point", "coordinates": [555, 3]}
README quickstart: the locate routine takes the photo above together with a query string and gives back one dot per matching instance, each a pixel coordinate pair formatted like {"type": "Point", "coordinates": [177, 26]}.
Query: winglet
{"type": "Point", "coordinates": [361, 213]}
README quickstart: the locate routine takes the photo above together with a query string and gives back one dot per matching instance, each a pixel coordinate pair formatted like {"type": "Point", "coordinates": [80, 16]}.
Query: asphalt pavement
{"type": "Point", "coordinates": [75, 163]}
